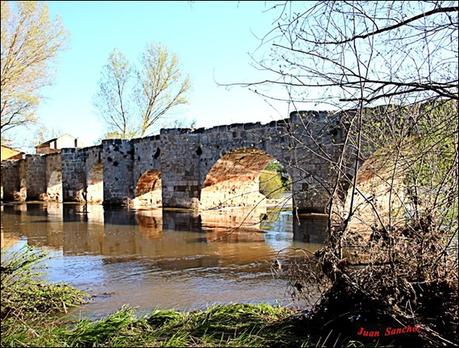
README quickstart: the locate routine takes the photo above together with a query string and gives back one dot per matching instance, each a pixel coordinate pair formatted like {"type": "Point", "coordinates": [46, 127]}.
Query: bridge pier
{"type": "Point", "coordinates": [118, 162]}
{"type": "Point", "coordinates": [73, 175]}
{"type": "Point", "coordinates": [35, 177]}
{"type": "Point", "coordinates": [53, 182]}
{"type": "Point", "coordinates": [180, 168]}
{"type": "Point", "coordinates": [94, 174]}
{"type": "Point", "coordinates": [315, 141]}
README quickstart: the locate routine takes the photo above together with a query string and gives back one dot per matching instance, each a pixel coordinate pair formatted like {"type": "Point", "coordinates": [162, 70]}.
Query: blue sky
{"type": "Point", "coordinates": [211, 39]}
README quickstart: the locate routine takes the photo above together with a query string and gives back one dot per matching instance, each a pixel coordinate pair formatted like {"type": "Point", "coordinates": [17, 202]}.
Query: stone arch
{"type": "Point", "coordinates": [54, 186]}
{"type": "Point", "coordinates": [148, 190]}
{"type": "Point", "coordinates": [233, 179]}
{"type": "Point", "coordinates": [95, 184]}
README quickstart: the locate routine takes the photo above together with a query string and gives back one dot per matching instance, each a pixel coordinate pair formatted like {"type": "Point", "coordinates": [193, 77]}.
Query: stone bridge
{"type": "Point", "coordinates": [185, 168]}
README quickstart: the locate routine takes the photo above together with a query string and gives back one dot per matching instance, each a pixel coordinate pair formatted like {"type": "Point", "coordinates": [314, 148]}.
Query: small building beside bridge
{"type": "Point", "coordinates": [8, 153]}
{"type": "Point", "coordinates": [54, 145]}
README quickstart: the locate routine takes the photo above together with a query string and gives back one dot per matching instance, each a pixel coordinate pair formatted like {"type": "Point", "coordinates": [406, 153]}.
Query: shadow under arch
{"type": "Point", "coordinates": [234, 180]}
{"type": "Point", "coordinates": [54, 186]}
{"type": "Point", "coordinates": [95, 184]}
{"type": "Point", "coordinates": [148, 190]}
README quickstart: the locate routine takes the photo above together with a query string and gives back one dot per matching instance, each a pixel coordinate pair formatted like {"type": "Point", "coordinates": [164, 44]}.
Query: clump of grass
{"type": "Point", "coordinates": [227, 325]}
{"type": "Point", "coordinates": [218, 325]}
{"type": "Point", "coordinates": [230, 321]}
{"type": "Point", "coordinates": [223, 325]}
{"type": "Point", "coordinates": [30, 306]}
{"type": "Point", "coordinates": [114, 330]}
{"type": "Point", "coordinates": [24, 296]}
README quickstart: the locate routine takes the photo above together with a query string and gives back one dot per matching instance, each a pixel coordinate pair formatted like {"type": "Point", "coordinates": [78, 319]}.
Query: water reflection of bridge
{"type": "Point", "coordinates": [230, 236]}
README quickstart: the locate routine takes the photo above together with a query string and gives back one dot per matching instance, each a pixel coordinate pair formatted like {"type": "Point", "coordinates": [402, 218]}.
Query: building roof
{"type": "Point", "coordinates": [46, 142]}
{"type": "Point", "coordinates": [8, 152]}
{"type": "Point", "coordinates": [9, 147]}
{"type": "Point", "coordinates": [53, 139]}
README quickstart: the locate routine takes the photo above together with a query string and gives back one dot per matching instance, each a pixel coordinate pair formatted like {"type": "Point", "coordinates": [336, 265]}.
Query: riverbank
{"type": "Point", "coordinates": [33, 313]}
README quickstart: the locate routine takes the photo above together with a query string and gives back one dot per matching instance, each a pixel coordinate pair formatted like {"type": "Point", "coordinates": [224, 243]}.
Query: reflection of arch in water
{"type": "Point", "coordinates": [95, 184]}
{"type": "Point", "coordinates": [148, 191]}
{"type": "Point", "coordinates": [239, 236]}
{"type": "Point", "coordinates": [232, 219]}
{"type": "Point", "coordinates": [94, 213]}
{"type": "Point", "coordinates": [310, 228]}
{"type": "Point", "coordinates": [54, 186]}
{"type": "Point", "coordinates": [234, 180]}
{"type": "Point", "coordinates": [150, 222]}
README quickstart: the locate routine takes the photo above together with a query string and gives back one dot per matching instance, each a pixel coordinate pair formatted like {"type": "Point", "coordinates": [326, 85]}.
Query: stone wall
{"type": "Point", "coordinates": [10, 180]}
{"type": "Point", "coordinates": [147, 172]}
{"type": "Point", "coordinates": [195, 153]}
{"type": "Point", "coordinates": [147, 152]}
{"type": "Point", "coordinates": [36, 177]}
{"type": "Point", "coordinates": [180, 168]}
{"type": "Point", "coordinates": [234, 180]}
{"type": "Point", "coordinates": [316, 139]}
{"type": "Point", "coordinates": [14, 187]}
{"type": "Point", "coordinates": [22, 171]}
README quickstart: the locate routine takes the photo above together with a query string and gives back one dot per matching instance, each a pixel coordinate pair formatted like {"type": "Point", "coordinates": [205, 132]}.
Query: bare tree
{"type": "Point", "coordinates": [390, 72]}
{"type": "Point", "coordinates": [161, 85]}
{"type": "Point", "coordinates": [133, 99]}
{"type": "Point", "coordinates": [403, 48]}
{"type": "Point", "coordinates": [112, 96]}
{"type": "Point", "coordinates": [30, 40]}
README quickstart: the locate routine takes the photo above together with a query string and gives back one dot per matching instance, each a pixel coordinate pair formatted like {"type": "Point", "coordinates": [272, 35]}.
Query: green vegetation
{"type": "Point", "coordinates": [23, 296]}
{"type": "Point", "coordinates": [28, 305]}
{"type": "Point", "coordinates": [229, 325]}
{"type": "Point", "coordinates": [274, 181]}
{"type": "Point", "coordinates": [235, 325]}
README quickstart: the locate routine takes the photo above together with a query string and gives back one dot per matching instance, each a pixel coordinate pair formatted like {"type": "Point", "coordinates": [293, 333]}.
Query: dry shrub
{"type": "Point", "coordinates": [405, 278]}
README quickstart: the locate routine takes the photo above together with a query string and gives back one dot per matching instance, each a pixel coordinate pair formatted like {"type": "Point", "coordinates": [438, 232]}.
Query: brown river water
{"type": "Point", "coordinates": [160, 258]}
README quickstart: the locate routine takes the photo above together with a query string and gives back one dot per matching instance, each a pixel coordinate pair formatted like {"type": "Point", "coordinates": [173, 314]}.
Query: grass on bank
{"type": "Point", "coordinates": [32, 315]}
{"type": "Point", "coordinates": [228, 325]}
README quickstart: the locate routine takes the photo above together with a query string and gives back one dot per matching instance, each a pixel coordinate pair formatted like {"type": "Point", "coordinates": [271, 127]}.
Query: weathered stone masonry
{"type": "Point", "coordinates": [192, 168]}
